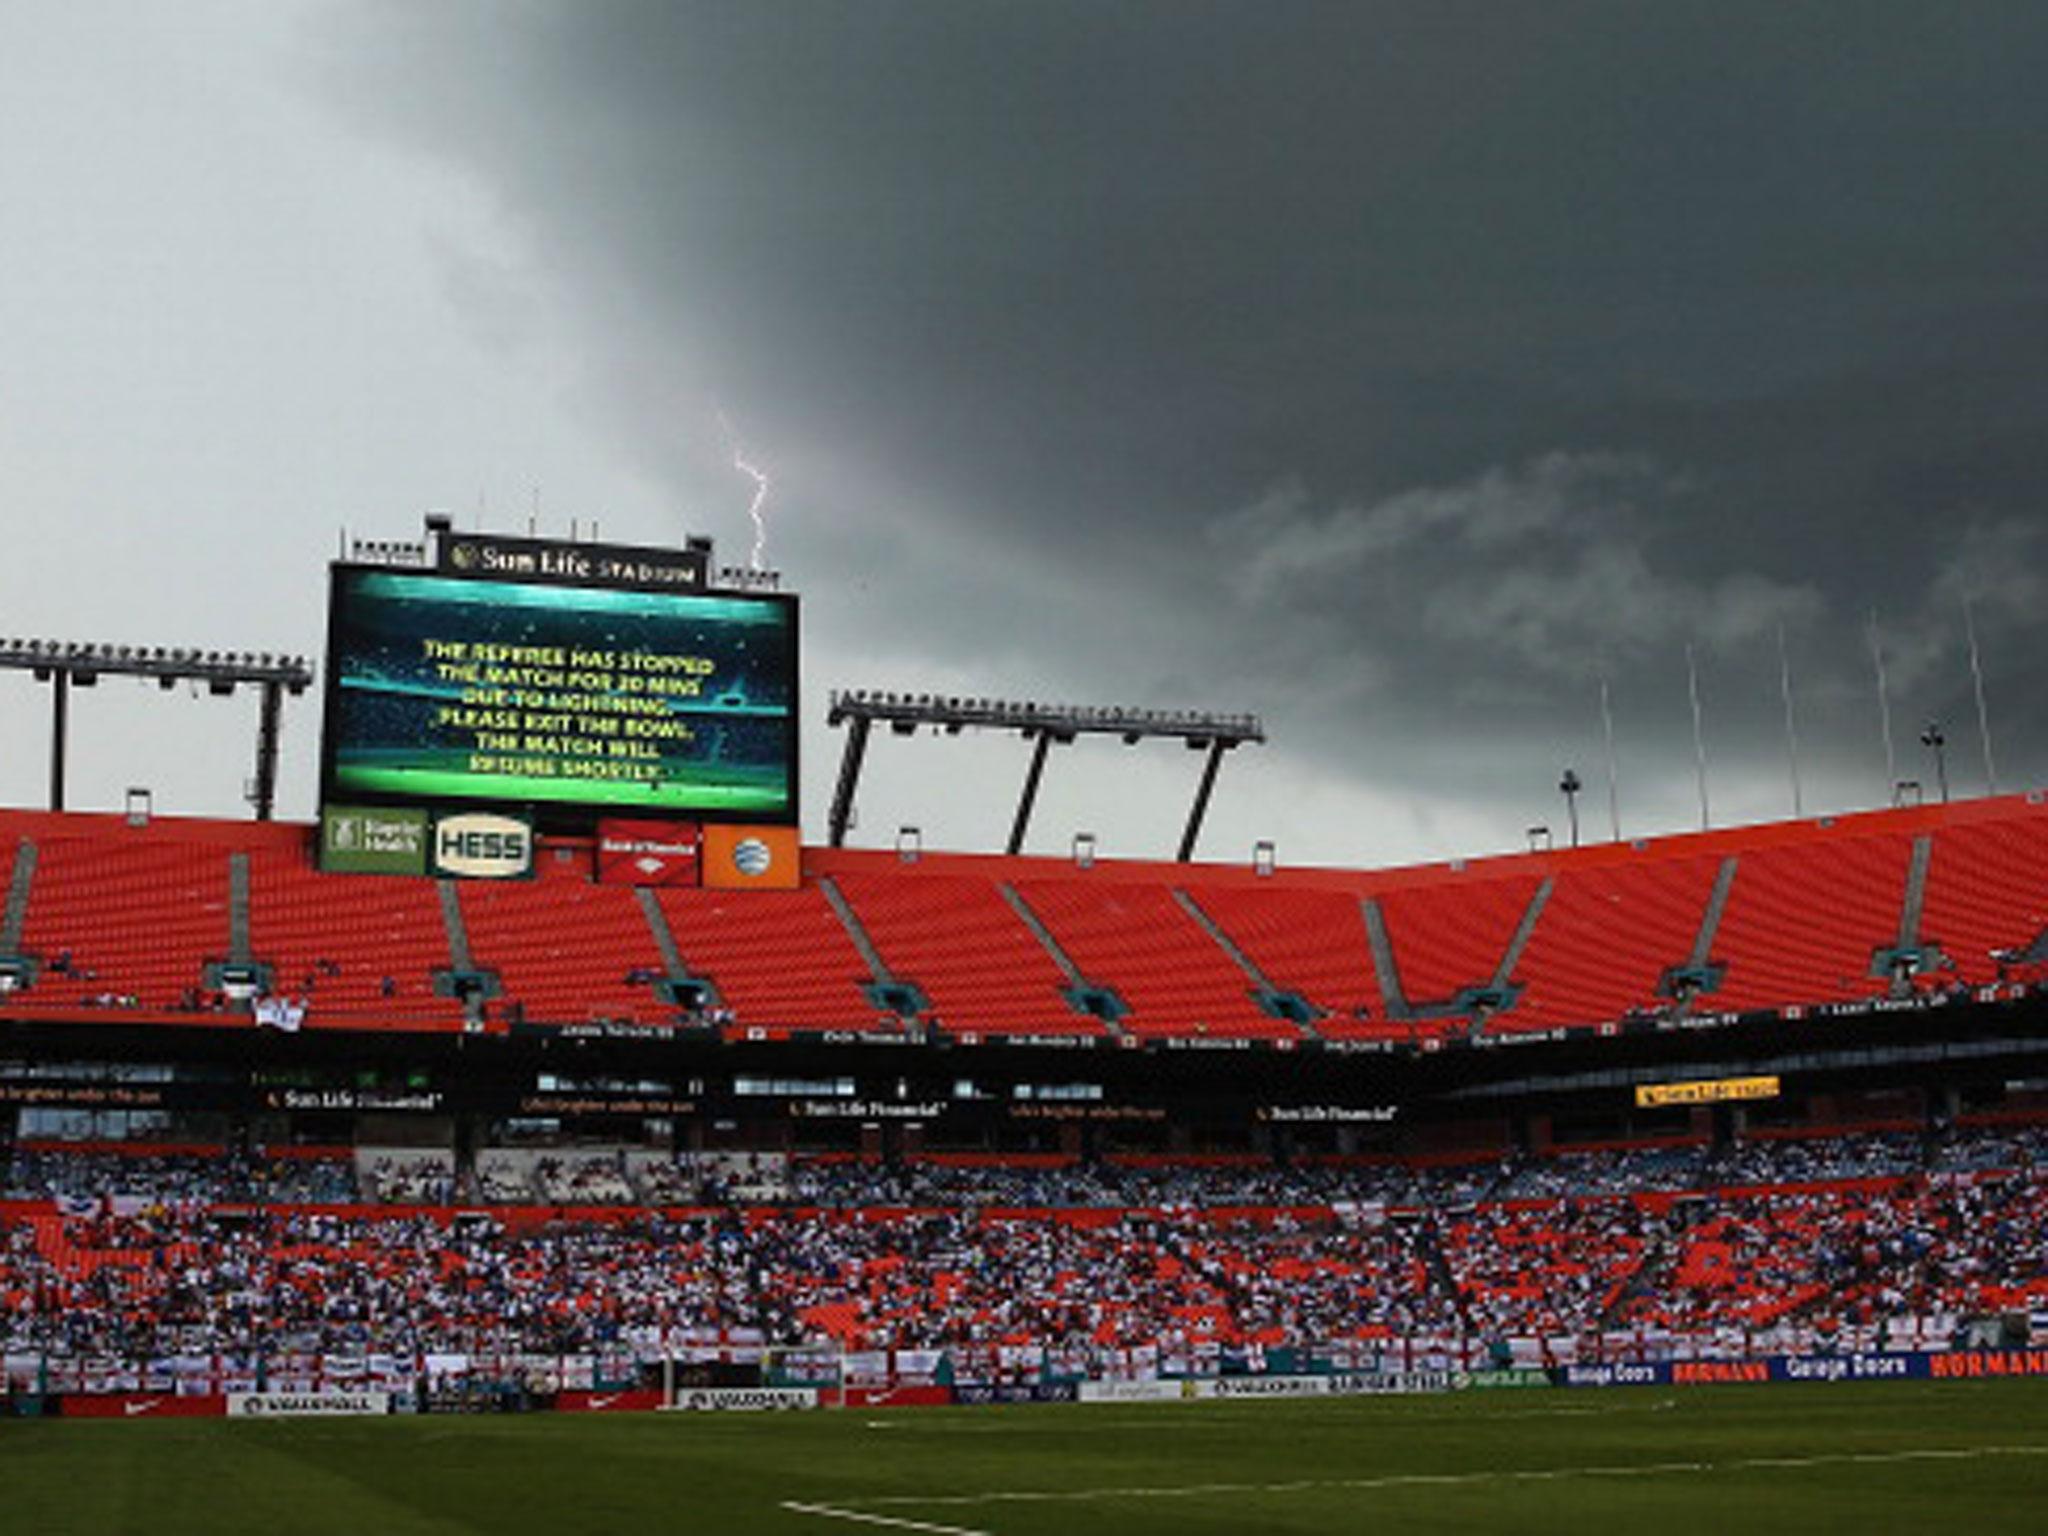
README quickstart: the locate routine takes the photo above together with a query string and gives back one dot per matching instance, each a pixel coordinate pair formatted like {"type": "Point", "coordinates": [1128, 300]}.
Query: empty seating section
{"type": "Point", "coordinates": [124, 917]}
{"type": "Point", "coordinates": [957, 939]}
{"type": "Point", "coordinates": [563, 947]}
{"type": "Point", "coordinates": [1135, 938]}
{"type": "Point", "coordinates": [1452, 935]}
{"type": "Point", "coordinates": [1606, 937]}
{"type": "Point", "coordinates": [1802, 922]}
{"type": "Point", "coordinates": [780, 959]}
{"type": "Point", "coordinates": [1987, 891]}
{"type": "Point", "coordinates": [381, 939]}
{"type": "Point", "coordinates": [1309, 942]}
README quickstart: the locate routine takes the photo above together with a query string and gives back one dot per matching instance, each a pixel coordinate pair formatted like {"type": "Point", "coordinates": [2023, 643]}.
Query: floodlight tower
{"type": "Point", "coordinates": [63, 664]}
{"type": "Point", "coordinates": [1044, 726]}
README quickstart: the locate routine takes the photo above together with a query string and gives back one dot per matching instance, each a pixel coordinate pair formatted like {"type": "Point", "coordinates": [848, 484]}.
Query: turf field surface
{"type": "Point", "coordinates": [1969, 1456]}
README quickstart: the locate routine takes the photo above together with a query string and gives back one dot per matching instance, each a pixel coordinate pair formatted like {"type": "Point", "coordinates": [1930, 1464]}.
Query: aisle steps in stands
{"type": "Point", "coordinates": [1276, 1001]}
{"type": "Point", "coordinates": [780, 960]}
{"type": "Point", "coordinates": [1803, 921]}
{"type": "Point", "coordinates": [884, 991]}
{"type": "Point", "coordinates": [1089, 998]}
{"type": "Point", "coordinates": [982, 968]}
{"type": "Point", "coordinates": [1986, 901]}
{"type": "Point", "coordinates": [1701, 974]}
{"type": "Point", "coordinates": [17, 969]}
{"type": "Point", "coordinates": [564, 949]}
{"type": "Point", "coordinates": [368, 945]}
{"type": "Point", "coordinates": [1164, 968]}
{"type": "Point", "coordinates": [1310, 944]}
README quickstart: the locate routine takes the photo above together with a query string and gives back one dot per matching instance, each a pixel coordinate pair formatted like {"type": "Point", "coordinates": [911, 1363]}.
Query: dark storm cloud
{"type": "Point", "coordinates": [1403, 367]}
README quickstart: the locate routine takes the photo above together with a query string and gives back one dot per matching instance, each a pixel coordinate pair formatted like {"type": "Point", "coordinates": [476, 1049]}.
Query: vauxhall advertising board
{"type": "Point", "coordinates": [534, 679]}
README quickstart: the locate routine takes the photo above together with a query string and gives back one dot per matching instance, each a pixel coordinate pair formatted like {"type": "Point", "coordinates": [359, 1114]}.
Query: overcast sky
{"type": "Point", "coordinates": [1395, 371]}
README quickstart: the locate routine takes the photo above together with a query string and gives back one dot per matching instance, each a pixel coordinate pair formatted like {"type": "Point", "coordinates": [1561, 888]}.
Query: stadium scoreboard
{"type": "Point", "coordinates": [558, 689]}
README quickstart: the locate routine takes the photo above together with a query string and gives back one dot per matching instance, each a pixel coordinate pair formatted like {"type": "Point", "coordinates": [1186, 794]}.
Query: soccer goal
{"type": "Point", "coordinates": [792, 1376]}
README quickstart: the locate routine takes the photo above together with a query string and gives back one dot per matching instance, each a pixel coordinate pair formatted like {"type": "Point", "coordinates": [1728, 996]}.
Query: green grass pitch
{"type": "Point", "coordinates": [1958, 1457]}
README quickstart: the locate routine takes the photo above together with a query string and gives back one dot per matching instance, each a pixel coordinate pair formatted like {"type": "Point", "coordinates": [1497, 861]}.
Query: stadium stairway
{"type": "Point", "coordinates": [1807, 922]}
{"type": "Point", "coordinates": [1986, 904]}
{"type": "Point", "coordinates": [363, 950]}
{"type": "Point", "coordinates": [1309, 943]}
{"type": "Point", "coordinates": [979, 967]}
{"type": "Point", "coordinates": [1138, 940]}
{"type": "Point", "coordinates": [781, 960]}
{"type": "Point", "coordinates": [133, 923]}
{"type": "Point", "coordinates": [565, 948]}
{"type": "Point", "coordinates": [1606, 939]}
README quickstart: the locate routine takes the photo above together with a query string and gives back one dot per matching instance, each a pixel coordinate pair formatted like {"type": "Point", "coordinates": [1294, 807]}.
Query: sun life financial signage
{"type": "Point", "coordinates": [604, 565]}
{"type": "Point", "coordinates": [364, 840]}
{"type": "Point", "coordinates": [482, 845]}
{"type": "Point", "coordinates": [1715, 1090]}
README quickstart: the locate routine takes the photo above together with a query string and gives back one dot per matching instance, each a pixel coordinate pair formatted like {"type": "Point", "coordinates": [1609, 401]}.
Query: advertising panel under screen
{"type": "Point", "coordinates": [445, 688]}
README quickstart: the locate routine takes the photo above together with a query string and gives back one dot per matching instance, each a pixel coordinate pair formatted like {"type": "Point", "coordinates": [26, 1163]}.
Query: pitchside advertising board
{"type": "Point", "coordinates": [570, 679]}
{"type": "Point", "coordinates": [1894, 1365]}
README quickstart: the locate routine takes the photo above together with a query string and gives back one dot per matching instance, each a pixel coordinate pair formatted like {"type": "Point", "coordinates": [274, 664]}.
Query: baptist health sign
{"type": "Point", "coordinates": [361, 841]}
{"type": "Point", "coordinates": [467, 845]}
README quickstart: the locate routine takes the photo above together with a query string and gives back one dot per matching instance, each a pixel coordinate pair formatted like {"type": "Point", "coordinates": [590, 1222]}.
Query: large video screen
{"type": "Point", "coordinates": [448, 688]}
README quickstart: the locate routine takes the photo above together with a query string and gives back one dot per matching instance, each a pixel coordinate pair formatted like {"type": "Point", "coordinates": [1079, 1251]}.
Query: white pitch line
{"type": "Point", "coordinates": [1433, 1479]}
{"type": "Point", "coordinates": [834, 1512]}
{"type": "Point", "coordinates": [1175, 1419]}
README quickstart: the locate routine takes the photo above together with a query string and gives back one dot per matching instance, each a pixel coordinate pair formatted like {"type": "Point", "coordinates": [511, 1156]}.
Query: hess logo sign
{"type": "Point", "coordinates": [477, 846]}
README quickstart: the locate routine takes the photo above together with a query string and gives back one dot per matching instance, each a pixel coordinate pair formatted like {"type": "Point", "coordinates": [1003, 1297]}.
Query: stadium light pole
{"type": "Point", "coordinates": [1569, 786]}
{"type": "Point", "coordinates": [1977, 685]}
{"type": "Point", "coordinates": [1791, 726]}
{"type": "Point", "coordinates": [1200, 808]}
{"type": "Point", "coordinates": [849, 776]}
{"type": "Point", "coordinates": [60, 706]}
{"type": "Point", "coordinates": [1029, 798]}
{"type": "Point", "coordinates": [1699, 732]}
{"type": "Point", "coordinates": [1884, 701]}
{"type": "Point", "coordinates": [1936, 740]}
{"type": "Point", "coordinates": [1613, 767]}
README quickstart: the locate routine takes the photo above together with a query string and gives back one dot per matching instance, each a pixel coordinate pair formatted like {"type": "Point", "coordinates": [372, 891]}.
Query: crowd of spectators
{"type": "Point", "coordinates": [176, 1281]}
{"type": "Point", "coordinates": [397, 1178]}
{"type": "Point", "coordinates": [1742, 1265]}
{"type": "Point", "coordinates": [590, 1178]}
{"type": "Point", "coordinates": [1158, 1259]}
{"type": "Point", "coordinates": [46, 1173]}
{"type": "Point", "coordinates": [610, 1176]}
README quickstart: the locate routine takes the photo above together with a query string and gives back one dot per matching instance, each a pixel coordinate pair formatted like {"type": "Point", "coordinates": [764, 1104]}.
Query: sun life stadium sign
{"type": "Point", "coordinates": [608, 565]}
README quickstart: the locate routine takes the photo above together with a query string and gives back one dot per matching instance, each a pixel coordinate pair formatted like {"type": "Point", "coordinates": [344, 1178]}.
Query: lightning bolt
{"type": "Point", "coordinates": [759, 476]}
